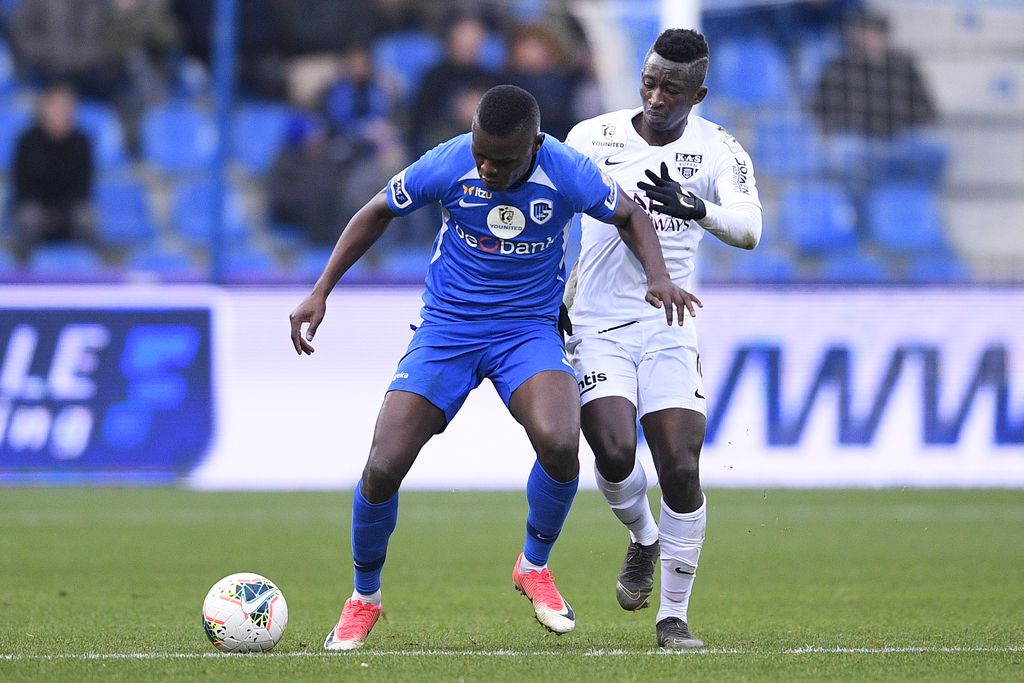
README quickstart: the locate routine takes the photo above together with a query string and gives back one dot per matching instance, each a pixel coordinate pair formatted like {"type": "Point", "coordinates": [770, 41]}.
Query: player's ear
{"type": "Point", "coordinates": [537, 142]}
{"type": "Point", "coordinates": [702, 92]}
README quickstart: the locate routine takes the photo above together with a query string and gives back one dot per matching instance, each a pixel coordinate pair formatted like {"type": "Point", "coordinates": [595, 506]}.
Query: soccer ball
{"type": "Point", "coordinates": [244, 613]}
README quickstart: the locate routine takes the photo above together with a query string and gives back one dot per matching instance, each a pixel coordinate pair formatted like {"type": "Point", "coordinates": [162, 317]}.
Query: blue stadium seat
{"type": "Point", "coordinates": [812, 56]}
{"type": "Point", "coordinates": [8, 80]}
{"type": "Point", "coordinates": [818, 217]}
{"type": "Point", "coordinates": [854, 268]}
{"type": "Point", "coordinates": [64, 258]}
{"type": "Point", "coordinates": [7, 261]}
{"type": "Point", "coordinates": [192, 212]}
{"type": "Point", "coordinates": [404, 265]}
{"type": "Point", "coordinates": [311, 261]}
{"type": "Point", "coordinates": [100, 122]}
{"type": "Point", "coordinates": [164, 262]}
{"type": "Point", "coordinates": [14, 119]}
{"type": "Point", "coordinates": [749, 72]}
{"type": "Point", "coordinates": [259, 130]}
{"type": "Point", "coordinates": [493, 52]}
{"type": "Point", "coordinates": [754, 267]}
{"type": "Point", "coordinates": [787, 147]}
{"type": "Point", "coordinates": [905, 218]}
{"type": "Point", "coordinates": [247, 262]}
{"type": "Point", "coordinates": [937, 269]}
{"type": "Point", "coordinates": [178, 137]}
{"type": "Point", "coordinates": [125, 218]}
{"type": "Point", "coordinates": [405, 56]}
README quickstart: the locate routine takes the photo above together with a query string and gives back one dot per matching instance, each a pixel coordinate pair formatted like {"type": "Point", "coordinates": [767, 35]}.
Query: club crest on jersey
{"type": "Point", "coordinates": [540, 210]}
{"type": "Point", "coordinates": [688, 164]}
{"type": "Point", "coordinates": [505, 221]}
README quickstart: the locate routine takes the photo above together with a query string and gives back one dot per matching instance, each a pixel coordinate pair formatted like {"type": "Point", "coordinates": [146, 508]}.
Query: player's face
{"type": "Point", "coordinates": [669, 91]}
{"type": "Point", "coordinates": [503, 160]}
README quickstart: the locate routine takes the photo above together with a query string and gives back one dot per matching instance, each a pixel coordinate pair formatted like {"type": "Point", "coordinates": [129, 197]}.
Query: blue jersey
{"type": "Point", "coordinates": [500, 255]}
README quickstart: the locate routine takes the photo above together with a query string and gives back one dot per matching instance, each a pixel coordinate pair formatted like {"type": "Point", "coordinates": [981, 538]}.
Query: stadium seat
{"type": "Point", "coordinates": [749, 72]}
{"type": "Point", "coordinates": [853, 268]}
{"type": "Point", "coordinates": [406, 266]}
{"type": "Point", "coordinates": [311, 261]}
{"type": "Point", "coordinates": [812, 56]}
{"type": "Point", "coordinates": [192, 212]}
{"type": "Point", "coordinates": [64, 259]}
{"type": "Point", "coordinates": [125, 218]}
{"type": "Point", "coordinates": [493, 52]}
{"type": "Point", "coordinates": [258, 133]}
{"type": "Point", "coordinates": [100, 122]}
{"type": "Point", "coordinates": [248, 263]}
{"type": "Point", "coordinates": [818, 217]}
{"type": "Point", "coordinates": [404, 57]}
{"type": "Point", "coordinates": [163, 262]}
{"type": "Point", "coordinates": [14, 119]}
{"type": "Point", "coordinates": [787, 147]}
{"type": "Point", "coordinates": [7, 261]}
{"type": "Point", "coordinates": [178, 137]}
{"type": "Point", "coordinates": [7, 72]}
{"type": "Point", "coordinates": [937, 269]}
{"type": "Point", "coordinates": [754, 268]}
{"type": "Point", "coordinates": [905, 218]}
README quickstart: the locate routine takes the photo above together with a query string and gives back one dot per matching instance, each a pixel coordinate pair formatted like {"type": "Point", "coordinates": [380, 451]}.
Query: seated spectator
{"type": "Point", "coordinates": [306, 182]}
{"type": "Point", "coordinates": [53, 174]}
{"type": "Point", "coordinates": [872, 103]}
{"type": "Point", "coordinates": [62, 40]}
{"type": "Point", "coordinates": [356, 100]}
{"type": "Point", "coordinates": [443, 84]}
{"type": "Point", "coordinates": [537, 63]}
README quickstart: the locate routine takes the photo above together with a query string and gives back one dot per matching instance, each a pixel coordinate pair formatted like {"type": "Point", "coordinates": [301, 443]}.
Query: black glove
{"type": "Point", "coordinates": [667, 197]}
{"type": "Point", "coordinates": [564, 323]}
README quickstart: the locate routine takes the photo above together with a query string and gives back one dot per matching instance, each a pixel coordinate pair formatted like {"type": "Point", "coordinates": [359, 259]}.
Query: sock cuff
{"type": "Point", "coordinates": [548, 482]}
{"type": "Point", "coordinates": [689, 516]}
{"type": "Point", "coordinates": [384, 507]}
{"type": "Point", "coordinates": [631, 479]}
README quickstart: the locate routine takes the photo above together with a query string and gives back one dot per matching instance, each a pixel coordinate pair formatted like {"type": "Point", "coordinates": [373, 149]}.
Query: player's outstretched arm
{"type": "Point", "coordinates": [359, 235]}
{"type": "Point", "coordinates": [638, 233]}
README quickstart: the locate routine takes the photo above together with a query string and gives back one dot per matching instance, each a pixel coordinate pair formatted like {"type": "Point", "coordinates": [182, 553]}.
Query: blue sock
{"type": "Point", "coordinates": [549, 502]}
{"type": "Point", "coordinates": [372, 525]}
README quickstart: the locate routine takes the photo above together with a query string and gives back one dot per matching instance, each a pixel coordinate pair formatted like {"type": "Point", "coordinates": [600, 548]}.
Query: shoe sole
{"type": "Point", "coordinates": [537, 616]}
{"type": "Point", "coordinates": [684, 645]}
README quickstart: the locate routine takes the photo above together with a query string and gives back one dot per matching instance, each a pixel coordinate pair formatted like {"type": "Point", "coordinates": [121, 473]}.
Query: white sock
{"type": "Point", "coordinates": [373, 599]}
{"type": "Point", "coordinates": [681, 536]}
{"type": "Point", "coordinates": [628, 500]}
{"type": "Point", "coordinates": [526, 566]}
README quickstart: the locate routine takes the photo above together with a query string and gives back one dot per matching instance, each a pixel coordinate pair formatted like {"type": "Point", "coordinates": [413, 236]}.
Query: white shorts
{"type": "Point", "coordinates": [651, 364]}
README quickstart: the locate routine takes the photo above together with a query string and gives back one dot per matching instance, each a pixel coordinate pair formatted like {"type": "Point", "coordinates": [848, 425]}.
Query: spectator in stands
{"type": "Point", "coordinates": [537, 63]}
{"type": "Point", "coordinates": [62, 40]}
{"type": "Point", "coordinates": [53, 174]}
{"type": "Point", "coordinates": [872, 102]}
{"type": "Point", "coordinates": [305, 185]}
{"type": "Point", "coordinates": [356, 100]}
{"type": "Point", "coordinates": [444, 84]}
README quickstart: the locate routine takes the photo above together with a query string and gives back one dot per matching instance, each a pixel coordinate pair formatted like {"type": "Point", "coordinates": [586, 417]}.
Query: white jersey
{"type": "Point", "coordinates": [706, 160]}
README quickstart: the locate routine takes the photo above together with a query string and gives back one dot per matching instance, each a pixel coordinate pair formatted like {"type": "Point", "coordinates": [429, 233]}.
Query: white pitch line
{"type": "Point", "coordinates": [806, 650]}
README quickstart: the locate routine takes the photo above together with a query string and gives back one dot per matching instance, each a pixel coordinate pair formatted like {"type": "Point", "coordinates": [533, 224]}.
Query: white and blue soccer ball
{"type": "Point", "coordinates": [244, 612]}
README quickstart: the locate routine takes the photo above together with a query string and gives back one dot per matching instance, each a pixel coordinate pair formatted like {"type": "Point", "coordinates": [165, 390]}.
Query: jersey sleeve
{"type": "Point", "coordinates": [420, 183]}
{"type": "Point", "coordinates": [591, 191]}
{"type": "Point", "coordinates": [734, 174]}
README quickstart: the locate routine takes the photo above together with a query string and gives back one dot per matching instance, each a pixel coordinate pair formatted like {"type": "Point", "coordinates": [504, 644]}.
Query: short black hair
{"type": "Point", "coordinates": [506, 109]}
{"type": "Point", "coordinates": [681, 45]}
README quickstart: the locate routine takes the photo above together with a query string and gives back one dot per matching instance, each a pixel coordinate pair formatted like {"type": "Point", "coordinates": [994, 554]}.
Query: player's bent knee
{"type": "Point", "coordinates": [681, 473]}
{"type": "Point", "coordinates": [379, 482]}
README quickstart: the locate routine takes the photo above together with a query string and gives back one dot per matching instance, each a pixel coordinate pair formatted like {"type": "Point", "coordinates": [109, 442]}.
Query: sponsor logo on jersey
{"type": "Point", "coordinates": [398, 193]}
{"type": "Point", "coordinates": [540, 210]}
{"type": "Point", "coordinates": [505, 221]}
{"type": "Point", "coordinates": [740, 173]}
{"type": "Point", "coordinates": [590, 381]}
{"type": "Point", "coordinates": [400, 375]}
{"type": "Point", "coordinates": [492, 245]}
{"type": "Point", "coordinates": [474, 191]}
{"type": "Point", "coordinates": [688, 164]}
{"type": "Point", "coordinates": [662, 223]}
{"type": "Point", "coordinates": [609, 135]}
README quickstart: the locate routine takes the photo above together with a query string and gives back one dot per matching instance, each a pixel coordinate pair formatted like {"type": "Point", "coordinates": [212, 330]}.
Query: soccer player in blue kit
{"type": "Point", "coordinates": [490, 308]}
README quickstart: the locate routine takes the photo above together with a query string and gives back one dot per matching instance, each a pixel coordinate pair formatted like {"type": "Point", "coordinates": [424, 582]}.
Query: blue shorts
{"type": "Point", "coordinates": [444, 362]}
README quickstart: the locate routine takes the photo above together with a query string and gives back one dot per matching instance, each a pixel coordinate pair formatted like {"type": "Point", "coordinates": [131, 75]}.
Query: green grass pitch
{"type": "Point", "coordinates": [107, 584]}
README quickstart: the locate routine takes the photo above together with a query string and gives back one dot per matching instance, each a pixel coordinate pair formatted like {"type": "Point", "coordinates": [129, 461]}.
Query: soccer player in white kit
{"type": "Point", "coordinates": [692, 177]}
